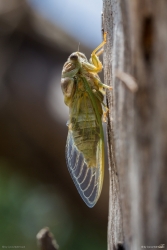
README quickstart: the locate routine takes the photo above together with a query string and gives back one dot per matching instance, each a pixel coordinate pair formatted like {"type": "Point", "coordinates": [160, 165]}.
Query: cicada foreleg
{"type": "Point", "coordinates": [95, 51]}
{"type": "Point", "coordinates": [68, 89]}
{"type": "Point", "coordinates": [94, 56]}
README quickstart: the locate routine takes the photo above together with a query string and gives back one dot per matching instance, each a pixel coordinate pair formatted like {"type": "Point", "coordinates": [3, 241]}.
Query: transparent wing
{"type": "Point", "coordinates": [88, 180]}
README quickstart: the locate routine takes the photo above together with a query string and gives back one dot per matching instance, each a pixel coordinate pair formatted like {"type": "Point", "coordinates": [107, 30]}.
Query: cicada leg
{"type": "Point", "coordinates": [68, 89]}
{"type": "Point", "coordinates": [102, 85]}
{"type": "Point", "coordinates": [105, 113]}
{"type": "Point", "coordinates": [94, 56]}
{"type": "Point", "coordinates": [101, 45]}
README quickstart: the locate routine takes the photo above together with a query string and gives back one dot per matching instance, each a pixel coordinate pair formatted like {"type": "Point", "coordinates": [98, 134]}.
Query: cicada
{"type": "Point", "coordinates": [83, 94]}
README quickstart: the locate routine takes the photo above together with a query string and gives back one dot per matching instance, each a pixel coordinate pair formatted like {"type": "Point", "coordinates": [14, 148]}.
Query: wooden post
{"type": "Point", "coordinates": [137, 124]}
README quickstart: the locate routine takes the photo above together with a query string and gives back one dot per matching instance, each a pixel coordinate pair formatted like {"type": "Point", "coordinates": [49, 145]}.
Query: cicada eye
{"type": "Point", "coordinates": [74, 57]}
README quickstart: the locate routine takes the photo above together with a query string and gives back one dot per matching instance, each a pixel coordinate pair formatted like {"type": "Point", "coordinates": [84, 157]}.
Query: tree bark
{"type": "Point", "coordinates": [137, 124]}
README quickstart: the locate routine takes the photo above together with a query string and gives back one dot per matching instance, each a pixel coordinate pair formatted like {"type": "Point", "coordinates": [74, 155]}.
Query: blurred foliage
{"type": "Point", "coordinates": [27, 206]}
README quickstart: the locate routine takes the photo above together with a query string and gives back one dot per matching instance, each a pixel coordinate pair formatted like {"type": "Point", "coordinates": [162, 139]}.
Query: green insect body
{"type": "Point", "coordinates": [84, 93]}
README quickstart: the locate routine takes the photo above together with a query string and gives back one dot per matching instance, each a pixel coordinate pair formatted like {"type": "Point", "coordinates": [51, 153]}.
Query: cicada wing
{"type": "Point", "coordinates": [88, 180]}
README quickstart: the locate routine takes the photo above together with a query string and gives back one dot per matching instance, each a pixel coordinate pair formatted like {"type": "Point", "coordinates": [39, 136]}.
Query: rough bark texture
{"type": "Point", "coordinates": [137, 126]}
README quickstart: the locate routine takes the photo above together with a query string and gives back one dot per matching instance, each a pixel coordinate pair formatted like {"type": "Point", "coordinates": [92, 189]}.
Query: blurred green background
{"type": "Point", "coordinates": [36, 190]}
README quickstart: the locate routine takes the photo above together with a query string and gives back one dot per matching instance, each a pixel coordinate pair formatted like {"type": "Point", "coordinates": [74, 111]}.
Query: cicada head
{"type": "Point", "coordinates": [77, 57]}
{"type": "Point", "coordinates": [73, 64]}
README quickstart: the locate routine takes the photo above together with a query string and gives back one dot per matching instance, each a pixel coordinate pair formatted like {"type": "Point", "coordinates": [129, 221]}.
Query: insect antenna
{"type": "Point", "coordinates": [78, 47]}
